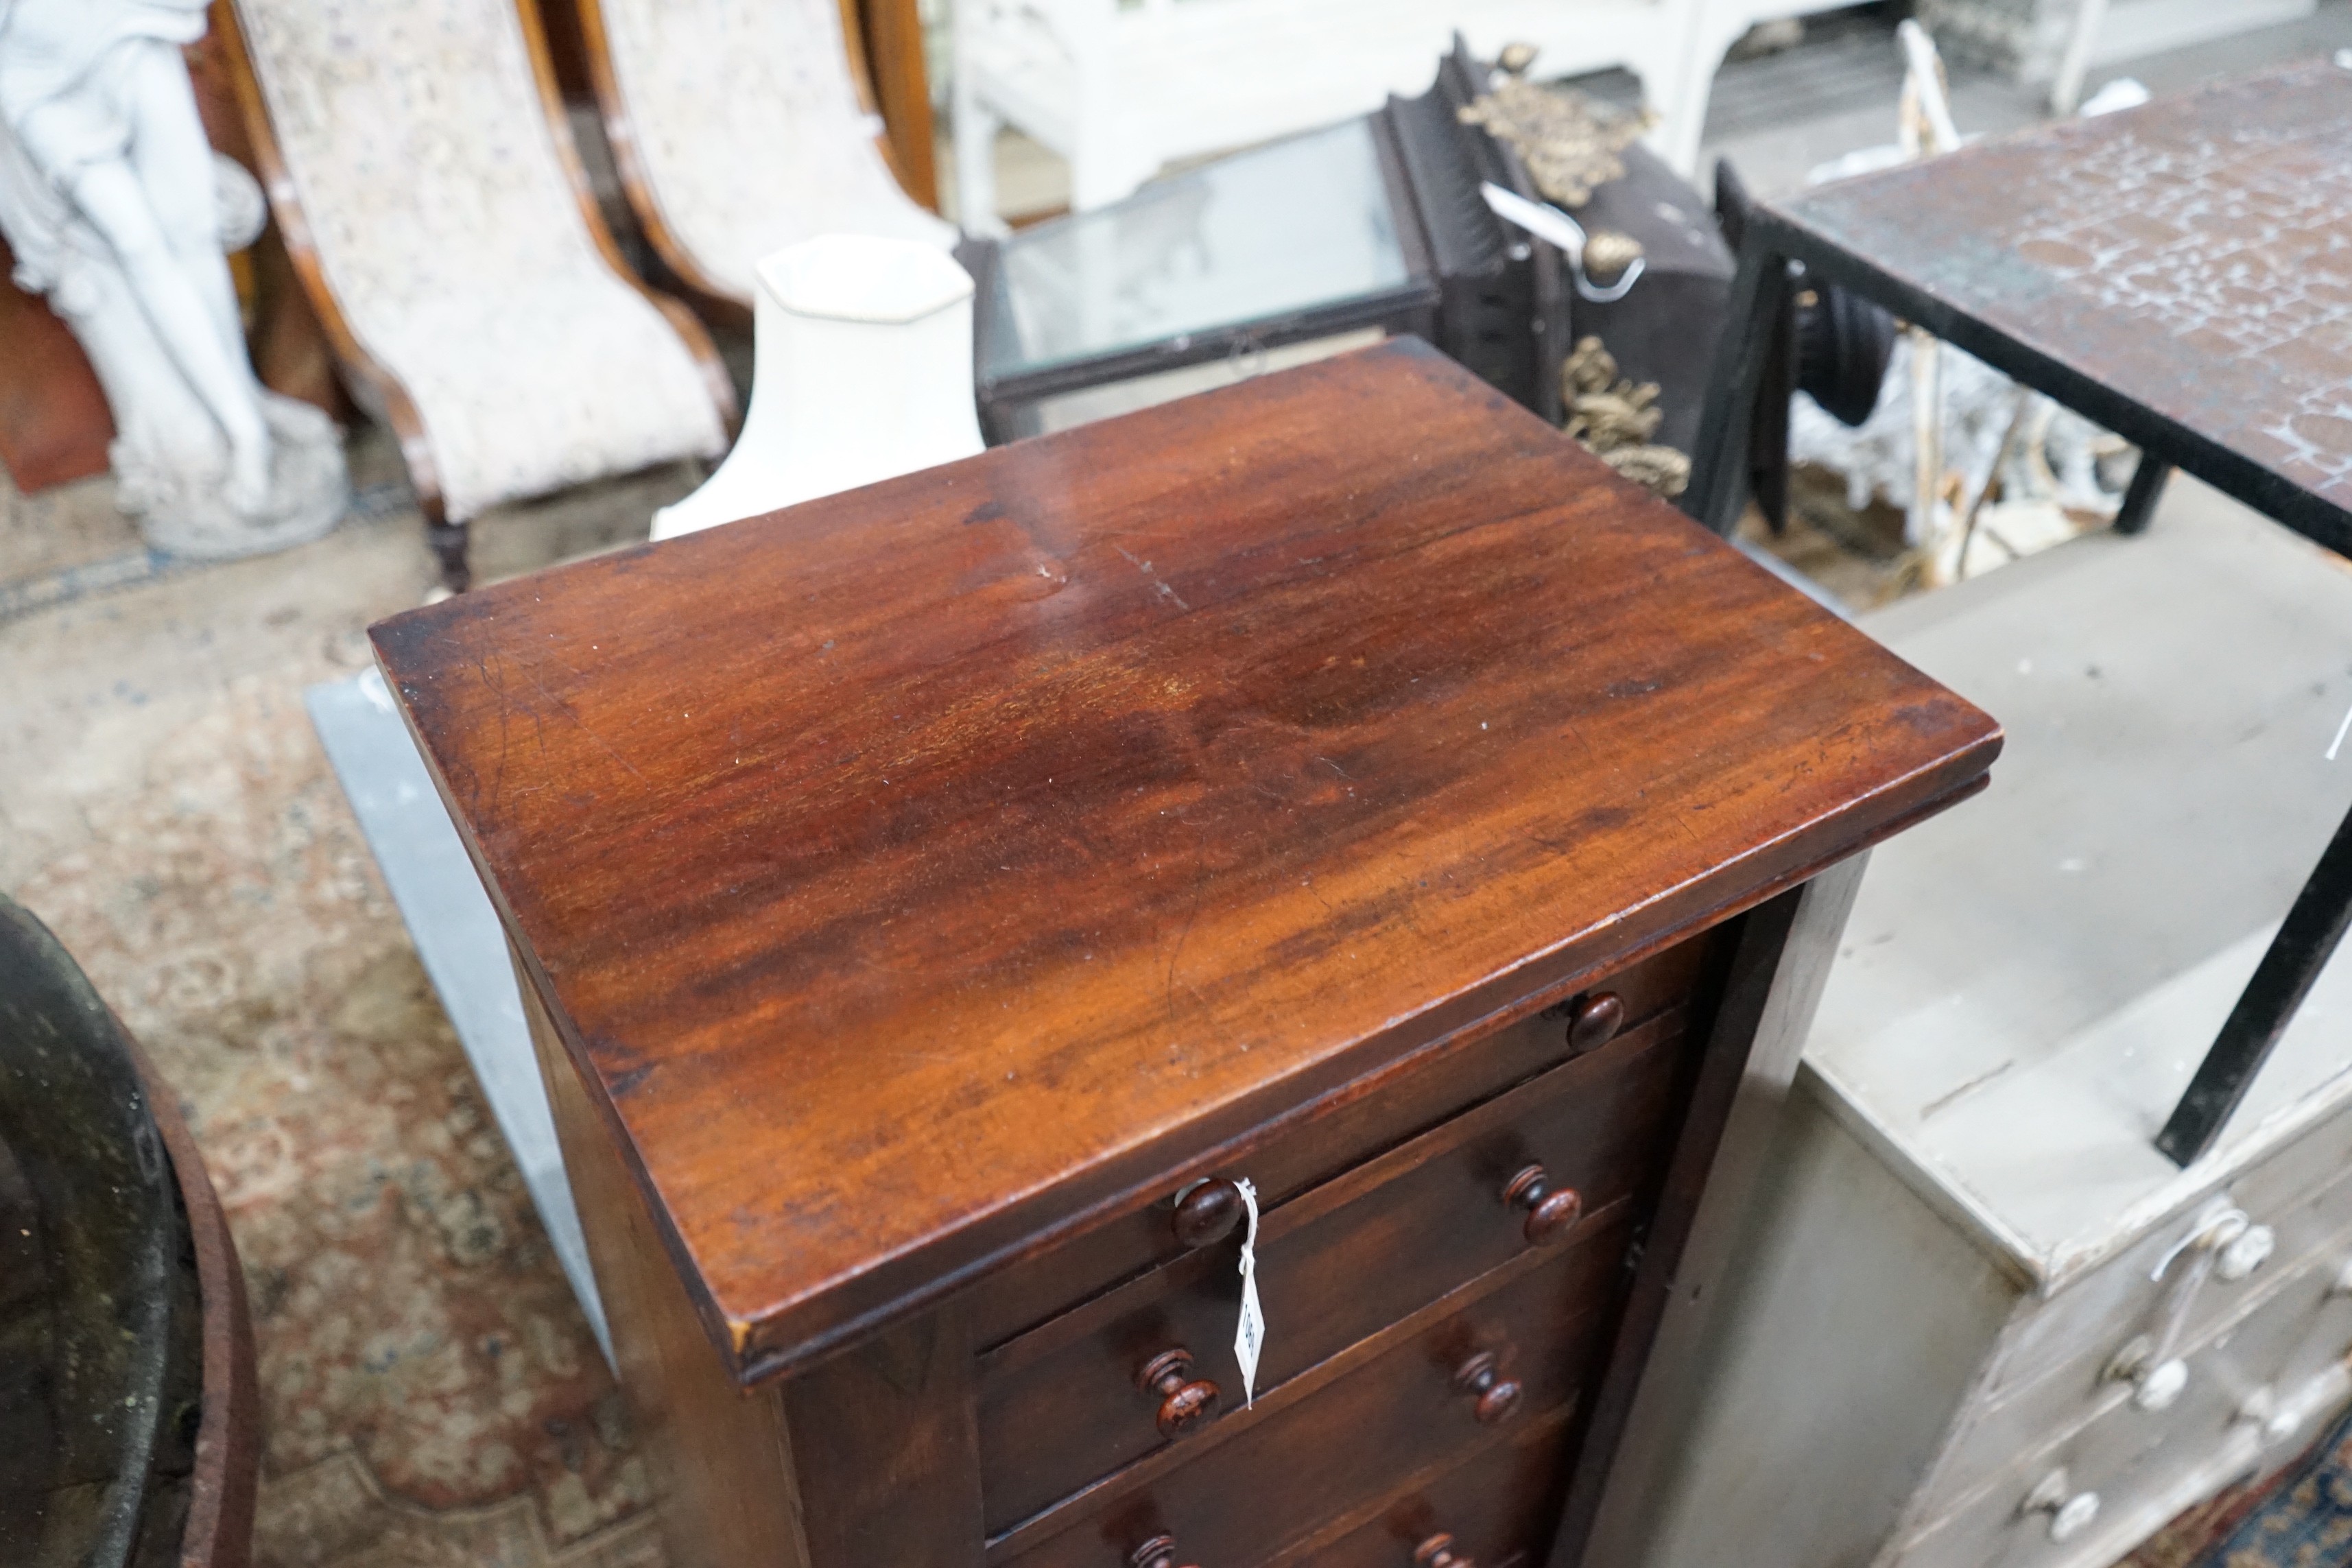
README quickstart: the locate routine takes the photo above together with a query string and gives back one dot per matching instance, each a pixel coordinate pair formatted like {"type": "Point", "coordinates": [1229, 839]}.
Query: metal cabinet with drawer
{"type": "Point", "coordinates": [2123, 1461]}
{"type": "Point", "coordinates": [1333, 822]}
{"type": "Point", "coordinates": [1981, 1322]}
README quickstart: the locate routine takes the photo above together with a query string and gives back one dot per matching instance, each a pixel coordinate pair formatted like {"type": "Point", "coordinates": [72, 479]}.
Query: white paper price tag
{"type": "Point", "coordinates": [1249, 1337]}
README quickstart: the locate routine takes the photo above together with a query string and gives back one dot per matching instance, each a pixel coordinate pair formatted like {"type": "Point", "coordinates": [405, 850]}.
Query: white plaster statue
{"type": "Point", "coordinates": [109, 199]}
{"type": "Point", "coordinates": [861, 372]}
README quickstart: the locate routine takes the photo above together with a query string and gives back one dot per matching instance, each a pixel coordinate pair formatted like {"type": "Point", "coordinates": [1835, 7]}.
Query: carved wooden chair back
{"type": "Point", "coordinates": [419, 164]}
{"type": "Point", "coordinates": [739, 129]}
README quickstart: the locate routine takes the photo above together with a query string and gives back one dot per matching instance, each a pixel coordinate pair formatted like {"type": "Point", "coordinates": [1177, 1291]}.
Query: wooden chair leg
{"type": "Point", "coordinates": [449, 542]}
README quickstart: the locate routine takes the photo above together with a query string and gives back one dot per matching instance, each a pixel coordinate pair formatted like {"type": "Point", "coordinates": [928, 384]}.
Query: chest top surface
{"type": "Point", "coordinates": [912, 871]}
{"type": "Point", "coordinates": [2194, 254]}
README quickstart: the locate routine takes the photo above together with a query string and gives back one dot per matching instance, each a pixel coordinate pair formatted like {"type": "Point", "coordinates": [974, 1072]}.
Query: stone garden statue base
{"type": "Point", "coordinates": [119, 211]}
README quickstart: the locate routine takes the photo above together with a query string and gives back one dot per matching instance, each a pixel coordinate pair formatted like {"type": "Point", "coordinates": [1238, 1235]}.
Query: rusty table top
{"type": "Point", "coordinates": [2181, 272]}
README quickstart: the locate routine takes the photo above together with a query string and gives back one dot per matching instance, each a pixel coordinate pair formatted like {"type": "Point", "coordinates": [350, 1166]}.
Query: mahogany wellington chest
{"type": "Point", "coordinates": [940, 907]}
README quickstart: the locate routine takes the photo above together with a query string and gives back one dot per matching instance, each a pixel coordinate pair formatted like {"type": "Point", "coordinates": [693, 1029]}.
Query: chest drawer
{"type": "Point", "coordinates": [1343, 1130]}
{"type": "Point", "coordinates": [1072, 1400]}
{"type": "Point", "coordinates": [1495, 1510]}
{"type": "Point", "coordinates": [1261, 1487]}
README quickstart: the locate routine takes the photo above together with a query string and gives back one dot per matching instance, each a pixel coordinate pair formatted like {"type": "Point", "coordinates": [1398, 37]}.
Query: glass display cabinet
{"type": "Point", "coordinates": [1382, 226]}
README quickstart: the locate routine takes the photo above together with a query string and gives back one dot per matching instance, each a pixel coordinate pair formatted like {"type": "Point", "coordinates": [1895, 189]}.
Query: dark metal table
{"type": "Point", "coordinates": [2181, 273]}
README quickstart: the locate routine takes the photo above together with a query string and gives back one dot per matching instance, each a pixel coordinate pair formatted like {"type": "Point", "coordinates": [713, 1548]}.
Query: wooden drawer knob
{"type": "Point", "coordinates": [1207, 1211]}
{"type": "Point", "coordinates": [1159, 1552]}
{"type": "Point", "coordinates": [1481, 1379]}
{"type": "Point", "coordinates": [1185, 1401]}
{"type": "Point", "coordinates": [1594, 1021]}
{"type": "Point", "coordinates": [1437, 1551]}
{"type": "Point", "coordinates": [1551, 1212]}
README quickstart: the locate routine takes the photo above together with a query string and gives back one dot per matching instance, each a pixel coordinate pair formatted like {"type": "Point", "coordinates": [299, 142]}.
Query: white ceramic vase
{"type": "Point", "coordinates": [861, 372]}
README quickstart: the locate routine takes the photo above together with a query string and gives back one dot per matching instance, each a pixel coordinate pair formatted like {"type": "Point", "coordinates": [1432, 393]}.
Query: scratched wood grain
{"type": "Point", "coordinates": [919, 872]}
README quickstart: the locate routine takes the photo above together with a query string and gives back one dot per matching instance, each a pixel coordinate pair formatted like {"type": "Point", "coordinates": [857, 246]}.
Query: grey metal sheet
{"type": "Point", "coordinates": [2029, 979]}
{"type": "Point", "coordinates": [457, 936]}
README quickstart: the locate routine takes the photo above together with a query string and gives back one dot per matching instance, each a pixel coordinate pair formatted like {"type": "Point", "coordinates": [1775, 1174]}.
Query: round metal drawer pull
{"type": "Point", "coordinates": [1184, 1402]}
{"type": "Point", "coordinates": [1551, 1212]}
{"type": "Point", "coordinates": [1437, 1551]}
{"type": "Point", "coordinates": [1481, 1378]}
{"type": "Point", "coordinates": [2071, 1512]}
{"type": "Point", "coordinates": [1159, 1552]}
{"type": "Point", "coordinates": [2250, 1251]}
{"type": "Point", "coordinates": [1207, 1211]}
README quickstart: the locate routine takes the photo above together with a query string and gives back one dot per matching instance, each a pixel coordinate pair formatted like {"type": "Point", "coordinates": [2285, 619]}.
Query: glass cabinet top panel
{"type": "Point", "coordinates": [1294, 225]}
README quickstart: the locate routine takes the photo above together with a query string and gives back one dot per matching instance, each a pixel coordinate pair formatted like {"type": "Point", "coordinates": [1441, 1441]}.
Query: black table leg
{"type": "Point", "coordinates": [2322, 911]}
{"type": "Point", "coordinates": [2145, 490]}
{"type": "Point", "coordinates": [2315, 925]}
{"type": "Point", "coordinates": [1719, 486]}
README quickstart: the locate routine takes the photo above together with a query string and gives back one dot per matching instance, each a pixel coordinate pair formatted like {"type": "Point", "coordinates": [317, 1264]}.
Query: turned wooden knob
{"type": "Point", "coordinates": [1550, 1211]}
{"type": "Point", "coordinates": [1159, 1552]}
{"type": "Point", "coordinates": [1208, 1211]}
{"type": "Point", "coordinates": [1185, 1401]}
{"type": "Point", "coordinates": [1481, 1379]}
{"type": "Point", "coordinates": [1437, 1551]}
{"type": "Point", "coordinates": [1594, 1021]}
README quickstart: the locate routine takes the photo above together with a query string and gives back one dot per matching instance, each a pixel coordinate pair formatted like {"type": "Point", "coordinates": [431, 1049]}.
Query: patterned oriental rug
{"type": "Point", "coordinates": [2299, 1518]}
{"type": "Point", "coordinates": [431, 1392]}
{"type": "Point", "coordinates": [431, 1395]}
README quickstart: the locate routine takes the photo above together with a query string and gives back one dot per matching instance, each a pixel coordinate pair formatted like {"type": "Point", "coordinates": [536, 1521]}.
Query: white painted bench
{"type": "Point", "coordinates": [1122, 87]}
{"type": "Point", "coordinates": [1710, 29]}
